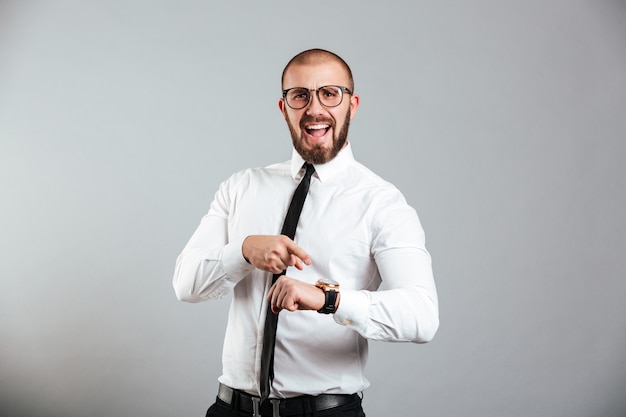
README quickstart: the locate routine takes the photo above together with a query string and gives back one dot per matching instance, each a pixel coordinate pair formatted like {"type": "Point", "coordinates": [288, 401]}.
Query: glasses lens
{"type": "Point", "coordinates": [330, 96]}
{"type": "Point", "coordinates": [297, 98]}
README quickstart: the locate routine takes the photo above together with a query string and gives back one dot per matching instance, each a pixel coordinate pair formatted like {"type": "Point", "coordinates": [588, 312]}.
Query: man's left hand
{"type": "Point", "coordinates": [291, 294]}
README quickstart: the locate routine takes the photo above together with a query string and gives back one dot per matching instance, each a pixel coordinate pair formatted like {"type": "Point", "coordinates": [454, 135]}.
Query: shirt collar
{"type": "Point", "coordinates": [324, 171]}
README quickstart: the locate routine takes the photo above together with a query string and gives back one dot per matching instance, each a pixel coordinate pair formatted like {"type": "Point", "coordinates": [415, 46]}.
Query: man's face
{"type": "Point", "coordinates": [318, 132]}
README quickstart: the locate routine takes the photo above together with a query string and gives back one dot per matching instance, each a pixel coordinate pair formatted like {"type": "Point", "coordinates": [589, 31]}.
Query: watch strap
{"type": "Point", "coordinates": [329, 303]}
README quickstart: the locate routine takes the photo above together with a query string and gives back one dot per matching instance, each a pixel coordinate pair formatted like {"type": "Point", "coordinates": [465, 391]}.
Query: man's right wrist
{"type": "Point", "coordinates": [233, 260]}
{"type": "Point", "coordinates": [243, 242]}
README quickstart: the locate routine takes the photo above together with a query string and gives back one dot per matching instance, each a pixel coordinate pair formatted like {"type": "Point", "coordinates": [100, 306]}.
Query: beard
{"type": "Point", "coordinates": [318, 154]}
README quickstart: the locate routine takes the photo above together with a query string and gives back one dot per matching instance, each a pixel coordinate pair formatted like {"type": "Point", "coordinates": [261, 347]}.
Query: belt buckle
{"type": "Point", "coordinates": [256, 406]}
{"type": "Point", "coordinates": [275, 407]}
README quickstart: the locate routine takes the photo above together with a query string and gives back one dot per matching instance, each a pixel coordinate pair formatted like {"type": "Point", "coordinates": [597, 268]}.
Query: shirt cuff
{"type": "Point", "coordinates": [353, 308]}
{"type": "Point", "coordinates": [235, 265]}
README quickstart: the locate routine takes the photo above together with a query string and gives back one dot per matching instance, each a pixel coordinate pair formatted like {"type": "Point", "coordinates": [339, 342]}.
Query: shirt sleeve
{"type": "Point", "coordinates": [210, 265]}
{"type": "Point", "coordinates": [406, 308]}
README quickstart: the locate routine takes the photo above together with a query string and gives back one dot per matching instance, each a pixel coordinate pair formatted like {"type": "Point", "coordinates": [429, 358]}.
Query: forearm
{"type": "Point", "coordinates": [209, 266]}
{"type": "Point", "coordinates": [406, 311]}
{"type": "Point", "coordinates": [398, 315]}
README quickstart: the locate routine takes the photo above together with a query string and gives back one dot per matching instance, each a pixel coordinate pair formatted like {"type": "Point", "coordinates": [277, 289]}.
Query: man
{"type": "Point", "coordinates": [355, 231]}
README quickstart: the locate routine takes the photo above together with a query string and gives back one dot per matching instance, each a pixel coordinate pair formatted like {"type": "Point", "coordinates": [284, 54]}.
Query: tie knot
{"type": "Point", "coordinates": [310, 169]}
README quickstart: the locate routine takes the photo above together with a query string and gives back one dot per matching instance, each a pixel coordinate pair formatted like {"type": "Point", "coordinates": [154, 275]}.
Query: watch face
{"type": "Point", "coordinates": [328, 281]}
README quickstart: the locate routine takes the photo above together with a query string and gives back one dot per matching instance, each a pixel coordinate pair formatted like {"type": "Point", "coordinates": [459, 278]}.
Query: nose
{"type": "Point", "coordinates": [314, 106]}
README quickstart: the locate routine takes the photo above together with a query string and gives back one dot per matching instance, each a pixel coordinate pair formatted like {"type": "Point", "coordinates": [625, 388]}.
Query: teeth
{"type": "Point", "coordinates": [316, 127]}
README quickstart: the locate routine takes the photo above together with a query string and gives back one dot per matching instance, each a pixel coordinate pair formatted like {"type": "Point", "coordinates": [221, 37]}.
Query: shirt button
{"type": "Point", "coordinates": [347, 322]}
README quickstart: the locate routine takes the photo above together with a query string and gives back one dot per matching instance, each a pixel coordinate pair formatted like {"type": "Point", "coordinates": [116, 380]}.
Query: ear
{"type": "Point", "coordinates": [355, 100]}
{"type": "Point", "coordinates": [282, 106]}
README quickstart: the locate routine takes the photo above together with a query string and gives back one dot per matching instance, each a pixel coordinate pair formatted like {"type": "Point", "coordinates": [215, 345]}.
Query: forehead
{"type": "Point", "coordinates": [315, 75]}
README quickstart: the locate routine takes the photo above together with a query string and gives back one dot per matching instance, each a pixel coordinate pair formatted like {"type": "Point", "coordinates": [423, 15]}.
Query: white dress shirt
{"type": "Point", "coordinates": [357, 229]}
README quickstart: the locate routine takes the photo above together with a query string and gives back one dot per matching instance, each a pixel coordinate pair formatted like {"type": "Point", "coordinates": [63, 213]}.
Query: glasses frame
{"type": "Point", "coordinates": [342, 89]}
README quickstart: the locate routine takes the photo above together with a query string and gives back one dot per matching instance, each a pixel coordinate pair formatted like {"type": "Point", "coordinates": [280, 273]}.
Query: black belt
{"type": "Point", "coordinates": [282, 407]}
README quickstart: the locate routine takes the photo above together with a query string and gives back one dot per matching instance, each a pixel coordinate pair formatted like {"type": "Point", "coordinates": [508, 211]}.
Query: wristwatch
{"type": "Point", "coordinates": [331, 289]}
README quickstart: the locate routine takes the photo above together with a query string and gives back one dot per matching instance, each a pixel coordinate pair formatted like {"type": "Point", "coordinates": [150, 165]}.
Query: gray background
{"type": "Point", "coordinates": [503, 122]}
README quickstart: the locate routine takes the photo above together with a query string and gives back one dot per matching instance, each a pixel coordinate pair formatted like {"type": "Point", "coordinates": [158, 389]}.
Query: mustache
{"type": "Point", "coordinates": [316, 119]}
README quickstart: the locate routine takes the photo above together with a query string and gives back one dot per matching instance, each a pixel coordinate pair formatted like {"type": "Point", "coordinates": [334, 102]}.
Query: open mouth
{"type": "Point", "coordinates": [317, 130]}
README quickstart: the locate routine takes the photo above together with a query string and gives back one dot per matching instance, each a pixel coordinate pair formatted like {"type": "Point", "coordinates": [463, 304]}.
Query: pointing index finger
{"type": "Point", "coordinates": [299, 252]}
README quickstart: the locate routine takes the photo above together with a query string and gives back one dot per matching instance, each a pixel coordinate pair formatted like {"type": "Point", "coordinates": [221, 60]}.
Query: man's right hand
{"type": "Point", "coordinates": [274, 253]}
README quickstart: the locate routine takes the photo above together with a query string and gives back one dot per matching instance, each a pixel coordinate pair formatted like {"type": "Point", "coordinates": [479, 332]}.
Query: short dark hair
{"type": "Point", "coordinates": [318, 56]}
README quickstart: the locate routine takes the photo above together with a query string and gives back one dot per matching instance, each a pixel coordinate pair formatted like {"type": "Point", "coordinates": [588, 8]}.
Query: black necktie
{"type": "Point", "coordinates": [271, 319]}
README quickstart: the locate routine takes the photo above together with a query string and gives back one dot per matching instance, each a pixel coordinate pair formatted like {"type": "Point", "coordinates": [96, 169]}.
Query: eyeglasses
{"type": "Point", "coordinates": [330, 96]}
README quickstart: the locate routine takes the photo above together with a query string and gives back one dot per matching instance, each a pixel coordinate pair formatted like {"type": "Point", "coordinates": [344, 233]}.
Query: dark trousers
{"type": "Point", "coordinates": [352, 409]}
